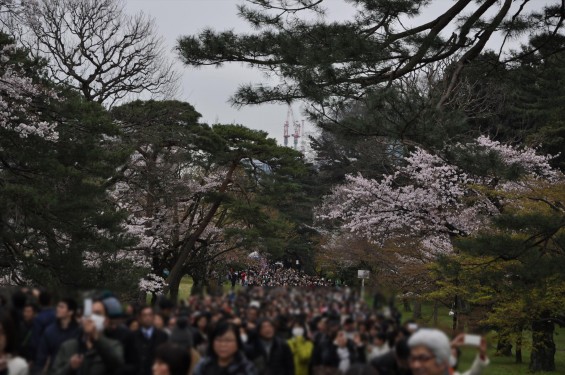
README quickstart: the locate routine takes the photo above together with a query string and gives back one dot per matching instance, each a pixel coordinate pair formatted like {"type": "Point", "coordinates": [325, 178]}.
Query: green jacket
{"type": "Point", "coordinates": [105, 357]}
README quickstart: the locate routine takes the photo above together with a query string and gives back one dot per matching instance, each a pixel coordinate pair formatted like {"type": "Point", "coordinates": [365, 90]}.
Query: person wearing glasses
{"type": "Point", "coordinates": [225, 353]}
{"type": "Point", "coordinates": [431, 353]}
{"type": "Point", "coordinates": [430, 350]}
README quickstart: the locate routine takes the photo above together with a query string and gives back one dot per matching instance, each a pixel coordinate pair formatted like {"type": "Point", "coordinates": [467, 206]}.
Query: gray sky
{"type": "Point", "coordinates": [209, 88]}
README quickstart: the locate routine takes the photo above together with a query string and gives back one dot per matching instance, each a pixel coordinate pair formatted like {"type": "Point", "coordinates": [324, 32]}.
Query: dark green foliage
{"type": "Point", "coordinates": [54, 212]}
{"type": "Point", "coordinates": [319, 60]}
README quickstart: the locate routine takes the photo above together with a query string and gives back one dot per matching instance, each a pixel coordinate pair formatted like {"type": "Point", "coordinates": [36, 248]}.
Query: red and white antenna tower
{"type": "Point", "coordinates": [289, 116]}
{"type": "Point", "coordinates": [297, 134]}
{"type": "Point", "coordinates": [298, 129]}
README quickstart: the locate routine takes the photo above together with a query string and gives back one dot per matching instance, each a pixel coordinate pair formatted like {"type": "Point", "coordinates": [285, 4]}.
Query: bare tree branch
{"type": "Point", "coordinates": [95, 48]}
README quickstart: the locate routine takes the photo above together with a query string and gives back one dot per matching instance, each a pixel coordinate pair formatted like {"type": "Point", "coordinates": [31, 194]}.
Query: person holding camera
{"type": "Point", "coordinates": [481, 360]}
{"type": "Point", "coordinates": [92, 353]}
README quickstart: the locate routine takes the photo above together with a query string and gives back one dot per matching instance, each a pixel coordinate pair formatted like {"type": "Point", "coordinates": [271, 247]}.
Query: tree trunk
{"type": "Point", "coordinates": [198, 279]}
{"type": "Point", "coordinates": [519, 347]}
{"type": "Point", "coordinates": [197, 287]}
{"type": "Point", "coordinates": [173, 281]}
{"type": "Point", "coordinates": [435, 313]}
{"type": "Point", "coordinates": [417, 310]}
{"type": "Point", "coordinates": [173, 287]}
{"type": "Point", "coordinates": [455, 311]}
{"type": "Point", "coordinates": [543, 346]}
{"type": "Point", "coordinates": [504, 346]}
{"type": "Point", "coordinates": [406, 305]}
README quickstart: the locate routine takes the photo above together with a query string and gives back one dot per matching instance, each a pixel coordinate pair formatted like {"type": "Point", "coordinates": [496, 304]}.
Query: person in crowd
{"type": "Point", "coordinates": [25, 330]}
{"type": "Point", "coordinates": [349, 328]}
{"type": "Point", "coordinates": [92, 353]}
{"type": "Point", "coordinates": [159, 323]}
{"type": "Point", "coordinates": [10, 364]}
{"type": "Point", "coordinates": [225, 353]}
{"type": "Point", "coordinates": [114, 328]}
{"type": "Point", "coordinates": [243, 277]}
{"type": "Point", "coordinates": [64, 328]}
{"type": "Point", "coordinates": [43, 319]}
{"type": "Point", "coordinates": [182, 336]}
{"type": "Point", "coordinates": [171, 359]}
{"type": "Point", "coordinates": [334, 352]}
{"type": "Point", "coordinates": [395, 362]}
{"type": "Point", "coordinates": [361, 369]}
{"type": "Point", "coordinates": [429, 352]}
{"type": "Point", "coordinates": [378, 347]}
{"type": "Point", "coordinates": [481, 360]}
{"type": "Point", "coordinates": [132, 323]}
{"type": "Point", "coordinates": [270, 354]}
{"type": "Point", "coordinates": [146, 340]}
{"type": "Point", "coordinates": [301, 348]}
{"type": "Point", "coordinates": [200, 332]}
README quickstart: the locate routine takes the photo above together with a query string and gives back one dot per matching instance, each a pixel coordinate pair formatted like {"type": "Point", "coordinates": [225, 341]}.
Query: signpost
{"type": "Point", "coordinates": [363, 274]}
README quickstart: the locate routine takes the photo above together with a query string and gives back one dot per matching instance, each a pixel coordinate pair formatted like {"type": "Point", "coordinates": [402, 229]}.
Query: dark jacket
{"type": "Point", "coordinates": [52, 339]}
{"type": "Point", "coordinates": [279, 361]}
{"type": "Point", "coordinates": [122, 334]}
{"type": "Point", "coordinates": [386, 364]}
{"type": "Point", "coordinates": [144, 350]}
{"type": "Point", "coordinates": [105, 357]}
{"type": "Point", "coordinates": [43, 319]}
{"type": "Point", "coordinates": [239, 366]}
{"type": "Point", "coordinates": [325, 353]}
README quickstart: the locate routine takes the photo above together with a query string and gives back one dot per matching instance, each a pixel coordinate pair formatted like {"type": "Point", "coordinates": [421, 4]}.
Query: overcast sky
{"type": "Point", "coordinates": [209, 89]}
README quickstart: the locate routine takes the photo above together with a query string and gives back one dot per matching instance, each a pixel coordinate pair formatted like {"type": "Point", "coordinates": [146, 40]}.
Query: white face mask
{"type": "Point", "coordinates": [297, 331]}
{"type": "Point", "coordinates": [452, 361]}
{"type": "Point", "coordinates": [243, 337]}
{"type": "Point", "coordinates": [98, 321]}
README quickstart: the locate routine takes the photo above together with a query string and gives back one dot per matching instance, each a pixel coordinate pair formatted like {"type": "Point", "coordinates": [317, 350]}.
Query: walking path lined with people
{"type": "Point", "coordinates": [256, 330]}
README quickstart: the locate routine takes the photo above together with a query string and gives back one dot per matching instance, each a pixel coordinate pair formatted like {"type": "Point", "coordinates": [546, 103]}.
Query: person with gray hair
{"type": "Point", "coordinates": [430, 350]}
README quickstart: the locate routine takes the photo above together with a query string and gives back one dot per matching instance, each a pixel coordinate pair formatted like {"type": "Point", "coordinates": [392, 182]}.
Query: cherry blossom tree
{"type": "Point", "coordinates": [191, 190]}
{"type": "Point", "coordinates": [429, 197]}
{"type": "Point", "coordinates": [20, 98]}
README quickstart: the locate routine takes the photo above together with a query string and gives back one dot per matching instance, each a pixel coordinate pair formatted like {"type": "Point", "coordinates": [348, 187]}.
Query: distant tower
{"type": "Point", "coordinates": [298, 129]}
{"type": "Point", "coordinates": [302, 142]}
{"type": "Point", "coordinates": [297, 134]}
{"type": "Point", "coordinates": [286, 133]}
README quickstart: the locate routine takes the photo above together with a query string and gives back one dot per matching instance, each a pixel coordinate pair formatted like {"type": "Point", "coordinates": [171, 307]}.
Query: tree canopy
{"type": "Point", "coordinates": [323, 61]}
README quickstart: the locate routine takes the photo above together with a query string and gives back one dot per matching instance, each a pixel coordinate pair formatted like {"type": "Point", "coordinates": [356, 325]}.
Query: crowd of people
{"type": "Point", "coordinates": [254, 331]}
{"type": "Point", "coordinates": [276, 275]}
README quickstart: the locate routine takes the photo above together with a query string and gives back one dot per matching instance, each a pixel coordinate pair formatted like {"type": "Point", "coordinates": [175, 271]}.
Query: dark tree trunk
{"type": "Point", "coordinates": [197, 286]}
{"type": "Point", "coordinates": [173, 286]}
{"type": "Point", "coordinates": [519, 348]}
{"type": "Point", "coordinates": [504, 346]}
{"type": "Point", "coordinates": [455, 311]}
{"type": "Point", "coordinates": [435, 313]}
{"type": "Point", "coordinates": [417, 310]}
{"type": "Point", "coordinates": [543, 346]}
{"type": "Point", "coordinates": [407, 305]}
{"type": "Point", "coordinates": [176, 273]}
